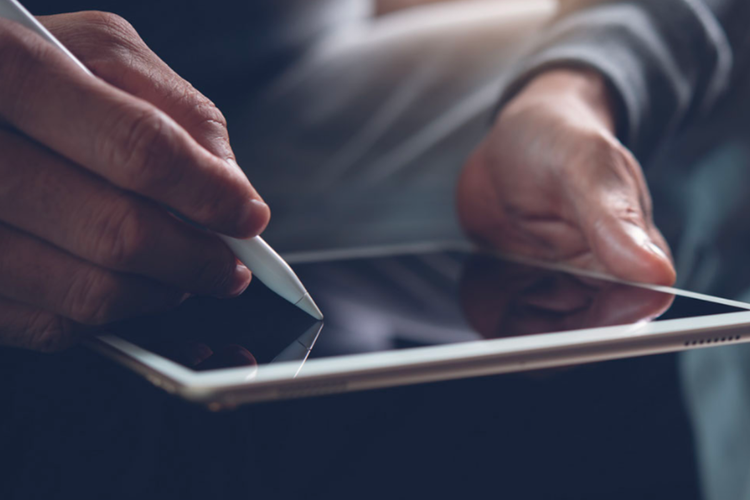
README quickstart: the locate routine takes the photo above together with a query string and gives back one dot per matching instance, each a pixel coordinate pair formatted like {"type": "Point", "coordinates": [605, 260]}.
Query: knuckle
{"type": "Point", "coordinates": [107, 43]}
{"type": "Point", "coordinates": [92, 297]}
{"type": "Point", "coordinates": [599, 160]}
{"type": "Point", "coordinates": [206, 113]}
{"type": "Point", "coordinates": [145, 151]}
{"type": "Point", "coordinates": [198, 108]}
{"type": "Point", "coordinates": [122, 236]}
{"type": "Point", "coordinates": [107, 23]}
{"type": "Point", "coordinates": [628, 211]}
{"type": "Point", "coordinates": [204, 119]}
{"type": "Point", "coordinates": [606, 148]}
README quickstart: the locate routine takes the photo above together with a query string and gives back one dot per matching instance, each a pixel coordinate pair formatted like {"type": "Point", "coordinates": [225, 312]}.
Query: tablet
{"type": "Point", "coordinates": [406, 315]}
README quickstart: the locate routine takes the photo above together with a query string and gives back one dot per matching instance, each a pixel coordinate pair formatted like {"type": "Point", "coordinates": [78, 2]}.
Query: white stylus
{"type": "Point", "coordinates": [255, 253]}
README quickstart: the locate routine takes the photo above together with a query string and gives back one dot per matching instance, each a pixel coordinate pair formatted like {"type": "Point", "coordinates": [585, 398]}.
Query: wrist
{"type": "Point", "coordinates": [583, 85]}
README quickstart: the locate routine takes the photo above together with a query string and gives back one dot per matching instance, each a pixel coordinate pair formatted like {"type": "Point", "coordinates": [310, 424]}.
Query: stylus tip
{"type": "Point", "coordinates": [307, 304]}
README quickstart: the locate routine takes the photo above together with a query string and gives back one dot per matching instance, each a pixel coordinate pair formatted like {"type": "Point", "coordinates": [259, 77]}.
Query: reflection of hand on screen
{"type": "Point", "coordinates": [502, 299]}
{"type": "Point", "coordinates": [199, 356]}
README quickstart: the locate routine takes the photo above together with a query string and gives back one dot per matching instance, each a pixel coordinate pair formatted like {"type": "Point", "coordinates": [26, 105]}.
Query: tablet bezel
{"type": "Point", "coordinates": [232, 386]}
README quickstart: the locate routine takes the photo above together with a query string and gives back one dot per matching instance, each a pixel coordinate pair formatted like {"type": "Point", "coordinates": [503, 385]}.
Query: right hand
{"type": "Point", "coordinates": [89, 167]}
{"type": "Point", "coordinates": [551, 181]}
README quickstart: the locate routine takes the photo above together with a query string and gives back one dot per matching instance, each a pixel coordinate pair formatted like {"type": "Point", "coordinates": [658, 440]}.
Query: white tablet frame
{"type": "Point", "coordinates": [230, 387]}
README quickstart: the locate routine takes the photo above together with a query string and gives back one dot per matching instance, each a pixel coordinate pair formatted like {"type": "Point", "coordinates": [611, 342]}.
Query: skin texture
{"type": "Point", "coordinates": [89, 167]}
{"type": "Point", "coordinates": [551, 181]}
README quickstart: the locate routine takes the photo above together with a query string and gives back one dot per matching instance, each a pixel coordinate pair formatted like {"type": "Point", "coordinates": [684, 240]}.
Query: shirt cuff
{"type": "Point", "coordinates": [655, 80]}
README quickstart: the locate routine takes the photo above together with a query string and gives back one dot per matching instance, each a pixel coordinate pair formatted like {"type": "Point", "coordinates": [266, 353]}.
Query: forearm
{"type": "Point", "coordinates": [665, 61]}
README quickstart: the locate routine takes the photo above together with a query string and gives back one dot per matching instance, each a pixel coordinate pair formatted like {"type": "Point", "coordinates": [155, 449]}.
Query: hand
{"type": "Point", "coordinates": [552, 182]}
{"type": "Point", "coordinates": [200, 357]}
{"type": "Point", "coordinates": [89, 167]}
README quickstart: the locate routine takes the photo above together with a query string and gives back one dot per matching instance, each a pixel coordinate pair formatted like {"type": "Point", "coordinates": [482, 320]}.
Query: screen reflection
{"type": "Point", "coordinates": [209, 334]}
{"type": "Point", "coordinates": [398, 302]}
{"type": "Point", "coordinates": [501, 299]}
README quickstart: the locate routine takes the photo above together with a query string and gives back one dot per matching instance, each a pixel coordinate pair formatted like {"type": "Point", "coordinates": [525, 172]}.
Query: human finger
{"type": "Point", "coordinates": [112, 49]}
{"type": "Point", "coordinates": [607, 201]}
{"type": "Point", "coordinates": [35, 273]}
{"type": "Point", "coordinates": [119, 137]}
{"type": "Point", "coordinates": [45, 195]}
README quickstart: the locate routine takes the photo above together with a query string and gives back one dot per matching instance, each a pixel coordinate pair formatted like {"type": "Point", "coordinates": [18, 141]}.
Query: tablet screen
{"type": "Point", "coordinates": [398, 302]}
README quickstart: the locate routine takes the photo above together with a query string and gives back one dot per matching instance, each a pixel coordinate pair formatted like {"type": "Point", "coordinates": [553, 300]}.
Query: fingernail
{"type": "Point", "coordinates": [638, 235]}
{"type": "Point", "coordinates": [655, 249]}
{"type": "Point", "coordinates": [238, 283]}
{"type": "Point", "coordinates": [642, 238]}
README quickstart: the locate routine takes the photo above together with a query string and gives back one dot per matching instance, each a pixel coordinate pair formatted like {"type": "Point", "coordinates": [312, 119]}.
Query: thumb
{"type": "Point", "coordinates": [625, 243]}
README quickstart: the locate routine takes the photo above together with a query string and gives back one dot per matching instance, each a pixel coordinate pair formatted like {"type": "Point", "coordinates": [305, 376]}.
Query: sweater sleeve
{"type": "Point", "coordinates": [666, 61]}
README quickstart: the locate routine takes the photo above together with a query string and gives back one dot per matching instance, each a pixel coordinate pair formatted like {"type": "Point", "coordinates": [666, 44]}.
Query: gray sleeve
{"type": "Point", "coordinates": [665, 60]}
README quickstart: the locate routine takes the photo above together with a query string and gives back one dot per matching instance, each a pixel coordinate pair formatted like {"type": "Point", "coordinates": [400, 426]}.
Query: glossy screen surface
{"type": "Point", "coordinates": [398, 302]}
